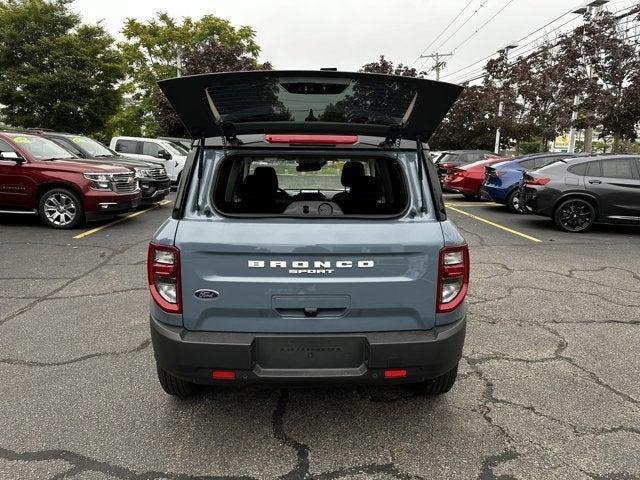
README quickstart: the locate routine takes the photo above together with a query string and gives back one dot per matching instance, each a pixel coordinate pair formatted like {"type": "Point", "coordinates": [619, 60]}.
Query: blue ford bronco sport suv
{"type": "Point", "coordinates": [309, 240]}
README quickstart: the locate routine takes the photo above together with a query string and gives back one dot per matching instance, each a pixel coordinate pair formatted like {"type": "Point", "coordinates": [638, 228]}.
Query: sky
{"type": "Point", "coordinates": [310, 34]}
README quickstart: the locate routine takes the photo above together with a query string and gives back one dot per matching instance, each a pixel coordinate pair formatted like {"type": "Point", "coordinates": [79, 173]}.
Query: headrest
{"type": "Point", "coordinates": [365, 189]}
{"type": "Point", "coordinates": [267, 174]}
{"type": "Point", "coordinates": [351, 171]}
{"type": "Point", "coordinates": [258, 188]}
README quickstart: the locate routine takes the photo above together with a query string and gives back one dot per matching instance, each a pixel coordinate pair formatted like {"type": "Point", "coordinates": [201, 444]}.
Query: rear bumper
{"type": "Point", "coordinates": [540, 201]}
{"type": "Point", "coordinates": [308, 358]}
{"type": "Point", "coordinates": [466, 185]}
{"type": "Point", "coordinates": [493, 194]}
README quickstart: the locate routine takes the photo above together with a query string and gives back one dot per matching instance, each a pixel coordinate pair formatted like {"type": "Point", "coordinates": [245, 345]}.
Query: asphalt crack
{"type": "Point", "coordinates": [31, 363]}
{"type": "Point", "coordinates": [81, 464]}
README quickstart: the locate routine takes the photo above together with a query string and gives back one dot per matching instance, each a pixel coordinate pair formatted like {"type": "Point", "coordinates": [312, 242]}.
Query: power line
{"type": "Point", "coordinates": [524, 52]}
{"type": "Point", "coordinates": [519, 40]}
{"type": "Point", "coordinates": [442, 32]}
{"type": "Point", "coordinates": [484, 2]}
{"type": "Point", "coordinates": [521, 48]}
{"type": "Point", "coordinates": [482, 26]}
{"type": "Point", "coordinates": [522, 59]}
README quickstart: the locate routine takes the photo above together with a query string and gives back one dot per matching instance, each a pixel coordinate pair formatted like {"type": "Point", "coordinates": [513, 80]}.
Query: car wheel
{"type": "Point", "coordinates": [574, 215]}
{"type": "Point", "coordinates": [175, 386]}
{"type": "Point", "coordinates": [439, 385]}
{"type": "Point", "coordinates": [514, 202]}
{"type": "Point", "coordinates": [61, 208]}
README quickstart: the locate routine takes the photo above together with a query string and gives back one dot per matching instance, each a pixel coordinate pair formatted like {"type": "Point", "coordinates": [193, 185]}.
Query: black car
{"type": "Point", "coordinates": [456, 158]}
{"type": "Point", "coordinates": [152, 177]}
{"type": "Point", "coordinates": [585, 191]}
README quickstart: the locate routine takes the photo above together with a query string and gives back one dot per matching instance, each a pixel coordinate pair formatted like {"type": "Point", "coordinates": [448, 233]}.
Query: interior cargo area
{"type": "Point", "coordinates": [310, 186]}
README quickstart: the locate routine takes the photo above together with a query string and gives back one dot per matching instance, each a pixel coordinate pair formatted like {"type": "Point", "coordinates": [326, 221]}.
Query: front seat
{"type": "Point", "coordinates": [365, 193]}
{"type": "Point", "coordinates": [350, 172]}
{"type": "Point", "coordinates": [268, 174]}
{"type": "Point", "coordinates": [259, 193]}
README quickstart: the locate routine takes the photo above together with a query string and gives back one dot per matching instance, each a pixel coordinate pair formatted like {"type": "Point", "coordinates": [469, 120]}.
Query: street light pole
{"type": "Point", "coordinates": [496, 147]}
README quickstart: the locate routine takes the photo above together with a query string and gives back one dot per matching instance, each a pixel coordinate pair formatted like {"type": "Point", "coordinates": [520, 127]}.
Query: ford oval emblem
{"type": "Point", "coordinates": [206, 294]}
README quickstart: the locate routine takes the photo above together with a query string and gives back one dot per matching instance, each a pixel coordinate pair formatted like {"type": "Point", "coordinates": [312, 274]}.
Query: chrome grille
{"type": "Point", "coordinates": [124, 183]}
{"type": "Point", "coordinates": [157, 173]}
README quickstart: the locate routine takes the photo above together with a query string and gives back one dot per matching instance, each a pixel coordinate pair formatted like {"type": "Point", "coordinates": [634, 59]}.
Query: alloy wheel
{"type": "Point", "coordinates": [575, 216]}
{"type": "Point", "coordinates": [60, 209]}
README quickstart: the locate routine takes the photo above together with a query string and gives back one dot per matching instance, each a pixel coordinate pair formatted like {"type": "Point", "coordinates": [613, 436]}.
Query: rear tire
{"type": "Point", "coordinates": [439, 385]}
{"type": "Point", "coordinates": [574, 215]}
{"type": "Point", "coordinates": [514, 202]}
{"type": "Point", "coordinates": [175, 386]}
{"type": "Point", "coordinates": [61, 208]}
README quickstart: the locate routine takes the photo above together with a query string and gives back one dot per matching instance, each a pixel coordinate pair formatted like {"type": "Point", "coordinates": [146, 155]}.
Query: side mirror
{"type": "Point", "coordinates": [164, 154]}
{"type": "Point", "coordinates": [11, 156]}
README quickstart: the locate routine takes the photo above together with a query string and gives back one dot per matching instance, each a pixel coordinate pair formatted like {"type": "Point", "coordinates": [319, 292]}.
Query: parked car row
{"type": "Point", "coordinates": [576, 191]}
{"type": "Point", "coordinates": [67, 179]}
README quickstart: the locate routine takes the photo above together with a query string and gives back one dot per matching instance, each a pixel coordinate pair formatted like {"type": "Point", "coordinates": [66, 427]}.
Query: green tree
{"type": "Point", "coordinates": [56, 72]}
{"type": "Point", "coordinates": [469, 124]}
{"type": "Point", "coordinates": [153, 51]}
{"type": "Point", "coordinates": [387, 67]}
{"type": "Point", "coordinates": [603, 67]}
{"type": "Point", "coordinates": [209, 56]}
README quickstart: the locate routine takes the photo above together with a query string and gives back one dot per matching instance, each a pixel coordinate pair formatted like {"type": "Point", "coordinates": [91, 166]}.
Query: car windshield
{"type": "Point", "coordinates": [92, 147]}
{"type": "Point", "coordinates": [171, 147]}
{"type": "Point", "coordinates": [41, 148]}
{"type": "Point", "coordinates": [181, 148]}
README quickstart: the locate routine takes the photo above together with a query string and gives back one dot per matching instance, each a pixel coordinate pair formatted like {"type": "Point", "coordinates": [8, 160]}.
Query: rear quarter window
{"type": "Point", "coordinates": [580, 169]}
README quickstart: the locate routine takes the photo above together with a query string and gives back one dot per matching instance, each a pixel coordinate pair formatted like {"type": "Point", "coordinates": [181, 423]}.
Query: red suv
{"type": "Point", "coordinates": [39, 177]}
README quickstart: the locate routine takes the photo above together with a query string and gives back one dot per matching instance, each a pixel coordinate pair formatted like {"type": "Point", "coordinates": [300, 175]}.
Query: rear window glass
{"type": "Point", "coordinates": [310, 186]}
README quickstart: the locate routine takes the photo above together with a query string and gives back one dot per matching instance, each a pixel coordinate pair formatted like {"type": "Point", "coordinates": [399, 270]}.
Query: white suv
{"type": "Point", "coordinates": [172, 156]}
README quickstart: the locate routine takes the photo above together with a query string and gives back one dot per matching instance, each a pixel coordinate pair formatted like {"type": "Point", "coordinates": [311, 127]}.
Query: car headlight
{"type": "Point", "coordinates": [100, 180]}
{"type": "Point", "coordinates": [142, 173]}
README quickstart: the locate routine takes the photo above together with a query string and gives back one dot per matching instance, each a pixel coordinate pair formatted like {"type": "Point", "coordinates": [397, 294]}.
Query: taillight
{"type": "Point", "coordinates": [302, 139]}
{"type": "Point", "coordinates": [537, 181]}
{"type": "Point", "coordinates": [453, 277]}
{"type": "Point", "coordinates": [163, 271]}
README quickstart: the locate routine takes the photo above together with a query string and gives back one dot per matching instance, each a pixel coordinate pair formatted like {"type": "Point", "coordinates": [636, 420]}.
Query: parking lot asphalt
{"type": "Point", "coordinates": [548, 387]}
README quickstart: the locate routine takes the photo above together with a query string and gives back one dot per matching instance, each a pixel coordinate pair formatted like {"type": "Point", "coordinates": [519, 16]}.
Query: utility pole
{"type": "Point", "coordinates": [439, 63]}
{"type": "Point", "coordinates": [496, 147]}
